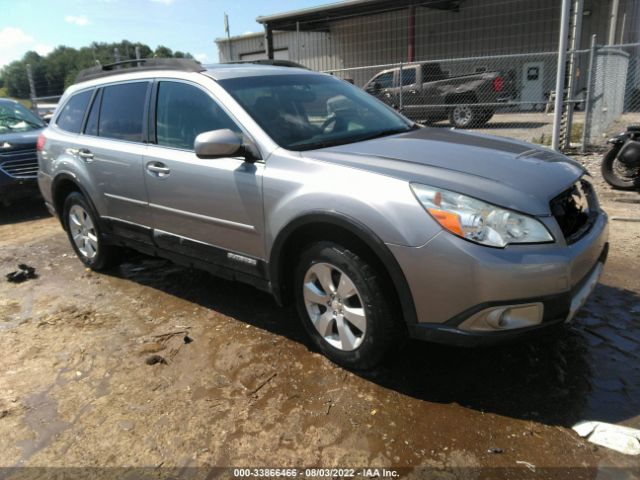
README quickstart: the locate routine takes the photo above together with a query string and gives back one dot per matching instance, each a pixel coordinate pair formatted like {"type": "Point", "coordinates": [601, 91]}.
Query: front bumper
{"type": "Point", "coordinates": [12, 189]}
{"type": "Point", "coordinates": [451, 280]}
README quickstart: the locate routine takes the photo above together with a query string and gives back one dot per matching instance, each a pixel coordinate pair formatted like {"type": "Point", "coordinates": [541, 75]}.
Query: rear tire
{"type": "Point", "coordinates": [345, 306]}
{"type": "Point", "coordinates": [83, 229]}
{"type": "Point", "coordinates": [609, 174]}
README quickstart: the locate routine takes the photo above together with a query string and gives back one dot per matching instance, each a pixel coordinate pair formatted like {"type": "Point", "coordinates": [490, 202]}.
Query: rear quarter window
{"type": "Point", "coordinates": [72, 114]}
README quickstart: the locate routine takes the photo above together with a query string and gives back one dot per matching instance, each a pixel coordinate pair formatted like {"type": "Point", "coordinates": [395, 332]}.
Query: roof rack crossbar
{"type": "Point", "coordinates": [142, 64]}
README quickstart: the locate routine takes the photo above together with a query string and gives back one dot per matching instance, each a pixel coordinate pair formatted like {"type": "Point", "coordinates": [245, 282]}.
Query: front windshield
{"type": "Point", "coordinates": [303, 112]}
{"type": "Point", "coordinates": [16, 118]}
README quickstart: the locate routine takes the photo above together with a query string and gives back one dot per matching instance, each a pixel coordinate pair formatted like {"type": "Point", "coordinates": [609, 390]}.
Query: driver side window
{"type": "Point", "coordinates": [385, 80]}
{"type": "Point", "coordinates": [183, 112]}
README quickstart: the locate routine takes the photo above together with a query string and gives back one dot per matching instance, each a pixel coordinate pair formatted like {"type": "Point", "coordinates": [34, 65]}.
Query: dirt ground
{"type": "Point", "coordinates": [236, 383]}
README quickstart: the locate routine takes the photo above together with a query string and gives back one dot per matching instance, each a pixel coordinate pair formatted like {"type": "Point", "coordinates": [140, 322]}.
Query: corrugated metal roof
{"type": "Point", "coordinates": [316, 17]}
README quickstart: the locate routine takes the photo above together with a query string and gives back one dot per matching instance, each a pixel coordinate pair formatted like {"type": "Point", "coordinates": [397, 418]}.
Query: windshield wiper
{"type": "Point", "coordinates": [344, 141]}
{"type": "Point", "coordinates": [385, 133]}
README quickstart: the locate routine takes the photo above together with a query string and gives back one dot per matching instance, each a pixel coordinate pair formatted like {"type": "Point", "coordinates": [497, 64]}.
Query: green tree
{"type": "Point", "coordinates": [162, 51]}
{"type": "Point", "coordinates": [56, 71]}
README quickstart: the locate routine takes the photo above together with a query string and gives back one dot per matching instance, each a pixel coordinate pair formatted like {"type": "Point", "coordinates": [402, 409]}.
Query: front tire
{"type": "Point", "coordinates": [345, 306]}
{"type": "Point", "coordinates": [83, 229]}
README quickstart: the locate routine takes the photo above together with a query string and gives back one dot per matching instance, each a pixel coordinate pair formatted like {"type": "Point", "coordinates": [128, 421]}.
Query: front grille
{"type": "Point", "coordinates": [575, 210]}
{"type": "Point", "coordinates": [20, 163]}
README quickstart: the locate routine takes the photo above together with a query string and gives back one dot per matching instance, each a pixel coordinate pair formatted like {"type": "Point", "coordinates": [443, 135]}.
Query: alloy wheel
{"type": "Point", "coordinates": [334, 306]}
{"type": "Point", "coordinates": [83, 231]}
{"type": "Point", "coordinates": [462, 115]}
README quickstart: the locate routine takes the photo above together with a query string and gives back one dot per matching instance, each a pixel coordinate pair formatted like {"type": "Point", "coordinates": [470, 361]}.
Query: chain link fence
{"type": "Point", "coordinates": [489, 66]}
{"type": "Point", "coordinates": [504, 94]}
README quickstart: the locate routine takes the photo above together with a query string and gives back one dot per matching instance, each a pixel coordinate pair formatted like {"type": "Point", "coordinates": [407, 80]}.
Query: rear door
{"type": "Point", "coordinates": [113, 147]}
{"type": "Point", "coordinates": [205, 208]}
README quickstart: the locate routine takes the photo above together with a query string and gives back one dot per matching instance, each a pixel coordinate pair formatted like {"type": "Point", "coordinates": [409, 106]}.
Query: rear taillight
{"type": "Point", "coordinates": [498, 83]}
{"type": "Point", "coordinates": [40, 143]}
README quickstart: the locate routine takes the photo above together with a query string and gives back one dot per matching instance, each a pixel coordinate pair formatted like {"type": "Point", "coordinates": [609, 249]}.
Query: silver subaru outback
{"type": "Point", "coordinates": [304, 186]}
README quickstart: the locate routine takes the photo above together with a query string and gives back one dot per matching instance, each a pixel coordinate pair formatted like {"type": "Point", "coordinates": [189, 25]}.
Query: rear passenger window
{"type": "Point", "coordinates": [72, 114]}
{"type": "Point", "coordinates": [122, 112]}
{"type": "Point", "coordinates": [183, 112]}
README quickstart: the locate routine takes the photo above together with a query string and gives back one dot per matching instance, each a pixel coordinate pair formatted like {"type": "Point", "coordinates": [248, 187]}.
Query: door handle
{"type": "Point", "coordinates": [85, 154]}
{"type": "Point", "coordinates": [158, 169]}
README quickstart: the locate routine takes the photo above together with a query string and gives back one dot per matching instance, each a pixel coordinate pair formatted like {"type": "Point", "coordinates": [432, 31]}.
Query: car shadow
{"type": "Point", "coordinates": [590, 370]}
{"type": "Point", "coordinates": [23, 211]}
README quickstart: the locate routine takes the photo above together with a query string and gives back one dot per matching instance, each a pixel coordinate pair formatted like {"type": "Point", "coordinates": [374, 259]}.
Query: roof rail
{"type": "Point", "coordinates": [139, 65]}
{"type": "Point", "coordinates": [272, 62]}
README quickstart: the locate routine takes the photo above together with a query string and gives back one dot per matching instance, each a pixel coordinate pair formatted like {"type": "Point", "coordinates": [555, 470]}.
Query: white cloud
{"type": "Point", "coordinates": [166, 2]}
{"type": "Point", "coordinates": [201, 57]}
{"type": "Point", "coordinates": [80, 20]}
{"type": "Point", "coordinates": [14, 43]}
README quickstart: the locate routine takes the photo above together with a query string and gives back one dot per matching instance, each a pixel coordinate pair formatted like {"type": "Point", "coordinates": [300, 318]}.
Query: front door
{"type": "Point", "coordinates": [384, 87]}
{"type": "Point", "coordinates": [205, 208]}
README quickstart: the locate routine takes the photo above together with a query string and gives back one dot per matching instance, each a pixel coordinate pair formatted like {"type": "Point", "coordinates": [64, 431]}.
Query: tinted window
{"type": "Point", "coordinates": [122, 112]}
{"type": "Point", "coordinates": [183, 112]}
{"type": "Point", "coordinates": [92, 121]}
{"type": "Point", "coordinates": [385, 80]}
{"type": "Point", "coordinates": [72, 114]}
{"type": "Point", "coordinates": [408, 76]}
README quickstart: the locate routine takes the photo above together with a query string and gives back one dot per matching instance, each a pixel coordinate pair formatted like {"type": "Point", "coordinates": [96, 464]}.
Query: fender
{"type": "Point", "coordinates": [364, 234]}
{"type": "Point", "coordinates": [73, 179]}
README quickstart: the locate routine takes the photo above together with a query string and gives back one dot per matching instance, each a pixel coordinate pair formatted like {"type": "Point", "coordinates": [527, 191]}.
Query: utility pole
{"type": "Point", "coordinates": [32, 89]}
{"type": "Point", "coordinates": [227, 30]}
{"type": "Point", "coordinates": [613, 22]}
{"type": "Point", "coordinates": [137, 55]}
{"type": "Point", "coordinates": [116, 54]}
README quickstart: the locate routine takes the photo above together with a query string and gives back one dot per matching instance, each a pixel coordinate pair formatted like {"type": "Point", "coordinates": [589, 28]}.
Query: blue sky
{"type": "Point", "coordinates": [186, 25]}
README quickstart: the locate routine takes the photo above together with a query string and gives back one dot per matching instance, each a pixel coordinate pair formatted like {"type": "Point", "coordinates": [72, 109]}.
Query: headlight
{"type": "Point", "coordinates": [479, 221]}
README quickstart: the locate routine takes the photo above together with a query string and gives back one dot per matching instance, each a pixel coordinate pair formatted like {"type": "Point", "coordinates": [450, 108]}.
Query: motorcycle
{"type": "Point", "coordinates": [621, 164]}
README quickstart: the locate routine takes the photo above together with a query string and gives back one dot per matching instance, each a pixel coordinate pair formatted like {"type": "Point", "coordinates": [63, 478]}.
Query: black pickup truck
{"type": "Point", "coordinates": [430, 95]}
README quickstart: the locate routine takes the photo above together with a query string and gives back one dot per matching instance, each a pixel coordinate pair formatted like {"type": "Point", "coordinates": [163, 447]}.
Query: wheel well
{"type": "Point", "coordinates": [311, 233]}
{"type": "Point", "coordinates": [468, 97]}
{"type": "Point", "coordinates": [62, 189]}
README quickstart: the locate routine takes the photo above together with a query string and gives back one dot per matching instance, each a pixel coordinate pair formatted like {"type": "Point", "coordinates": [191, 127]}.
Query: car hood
{"type": "Point", "coordinates": [19, 140]}
{"type": "Point", "coordinates": [508, 173]}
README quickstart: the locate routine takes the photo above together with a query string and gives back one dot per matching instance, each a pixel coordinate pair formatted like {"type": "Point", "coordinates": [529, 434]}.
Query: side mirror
{"type": "Point", "coordinates": [218, 144]}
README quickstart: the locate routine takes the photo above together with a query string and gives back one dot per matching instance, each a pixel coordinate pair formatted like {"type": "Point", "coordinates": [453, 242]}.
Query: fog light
{"type": "Point", "coordinates": [505, 317]}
